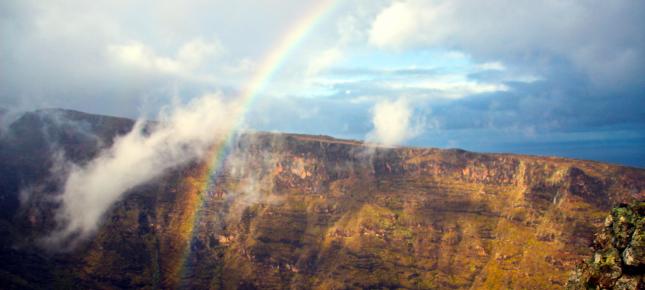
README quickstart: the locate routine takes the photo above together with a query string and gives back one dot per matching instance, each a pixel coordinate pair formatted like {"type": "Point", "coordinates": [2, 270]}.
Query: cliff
{"type": "Point", "coordinates": [299, 212]}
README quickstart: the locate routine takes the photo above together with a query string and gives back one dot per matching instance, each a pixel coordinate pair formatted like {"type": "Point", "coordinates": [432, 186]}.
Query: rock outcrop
{"type": "Point", "coordinates": [618, 261]}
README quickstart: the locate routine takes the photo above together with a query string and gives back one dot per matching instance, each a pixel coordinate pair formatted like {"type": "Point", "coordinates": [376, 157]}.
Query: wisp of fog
{"type": "Point", "coordinates": [182, 134]}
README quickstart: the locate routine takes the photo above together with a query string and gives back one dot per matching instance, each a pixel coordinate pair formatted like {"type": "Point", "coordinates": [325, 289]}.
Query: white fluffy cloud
{"type": "Point", "coordinates": [190, 57]}
{"type": "Point", "coordinates": [394, 25]}
{"type": "Point", "coordinates": [182, 135]}
{"type": "Point", "coordinates": [393, 123]}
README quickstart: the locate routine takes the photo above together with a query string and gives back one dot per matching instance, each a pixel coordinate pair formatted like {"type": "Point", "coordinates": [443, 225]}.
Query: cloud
{"type": "Point", "coordinates": [394, 25]}
{"type": "Point", "coordinates": [492, 66]}
{"type": "Point", "coordinates": [119, 58]}
{"type": "Point", "coordinates": [603, 39]}
{"type": "Point", "coordinates": [189, 57]}
{"type": "Point", "coordinates": [427, 83]}
{"type": "Point", "coordinates": [448, 86]}
{"type": "Point", "coordinates": [182, 134]}
{"type": "Point", "coordinates": [323, 60]}
{"type": "Point", "coordinates": [393, 123]}
{"type": "Point", "coordinates": [550, 65]}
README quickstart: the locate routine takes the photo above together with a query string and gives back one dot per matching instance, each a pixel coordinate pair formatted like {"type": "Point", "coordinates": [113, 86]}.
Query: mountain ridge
{"type": "Point", "coordinates": [84, 116]}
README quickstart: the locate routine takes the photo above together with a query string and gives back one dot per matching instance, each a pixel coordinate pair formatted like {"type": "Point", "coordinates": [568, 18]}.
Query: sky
{"type": "Point", "coordinates": [550, 77]}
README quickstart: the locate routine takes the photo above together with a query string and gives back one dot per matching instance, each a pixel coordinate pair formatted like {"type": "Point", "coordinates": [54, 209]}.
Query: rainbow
{"type": "Point", "coordinates": [202, 181]}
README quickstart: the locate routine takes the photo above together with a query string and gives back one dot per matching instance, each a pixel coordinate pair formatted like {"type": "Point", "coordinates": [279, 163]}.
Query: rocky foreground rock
{"type": "Point", "coordinates": [618, 261]}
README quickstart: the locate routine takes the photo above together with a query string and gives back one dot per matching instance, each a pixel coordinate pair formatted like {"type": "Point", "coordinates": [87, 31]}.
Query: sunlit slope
{"type": "Point", "coordinates": [295, 211]}
{"type": "Point", "coordinates": [317, 214]}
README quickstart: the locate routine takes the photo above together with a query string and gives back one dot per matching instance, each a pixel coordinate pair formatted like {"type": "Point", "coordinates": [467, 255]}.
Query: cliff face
{"type": "Point", "coordinates": [296, 211]}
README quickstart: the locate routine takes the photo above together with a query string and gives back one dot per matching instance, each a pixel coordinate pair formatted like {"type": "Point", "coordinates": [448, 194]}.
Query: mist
{"type": "Point", "coordinates": [182, 133]}
{"type": "Point", "coordinates": [393, 123]}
